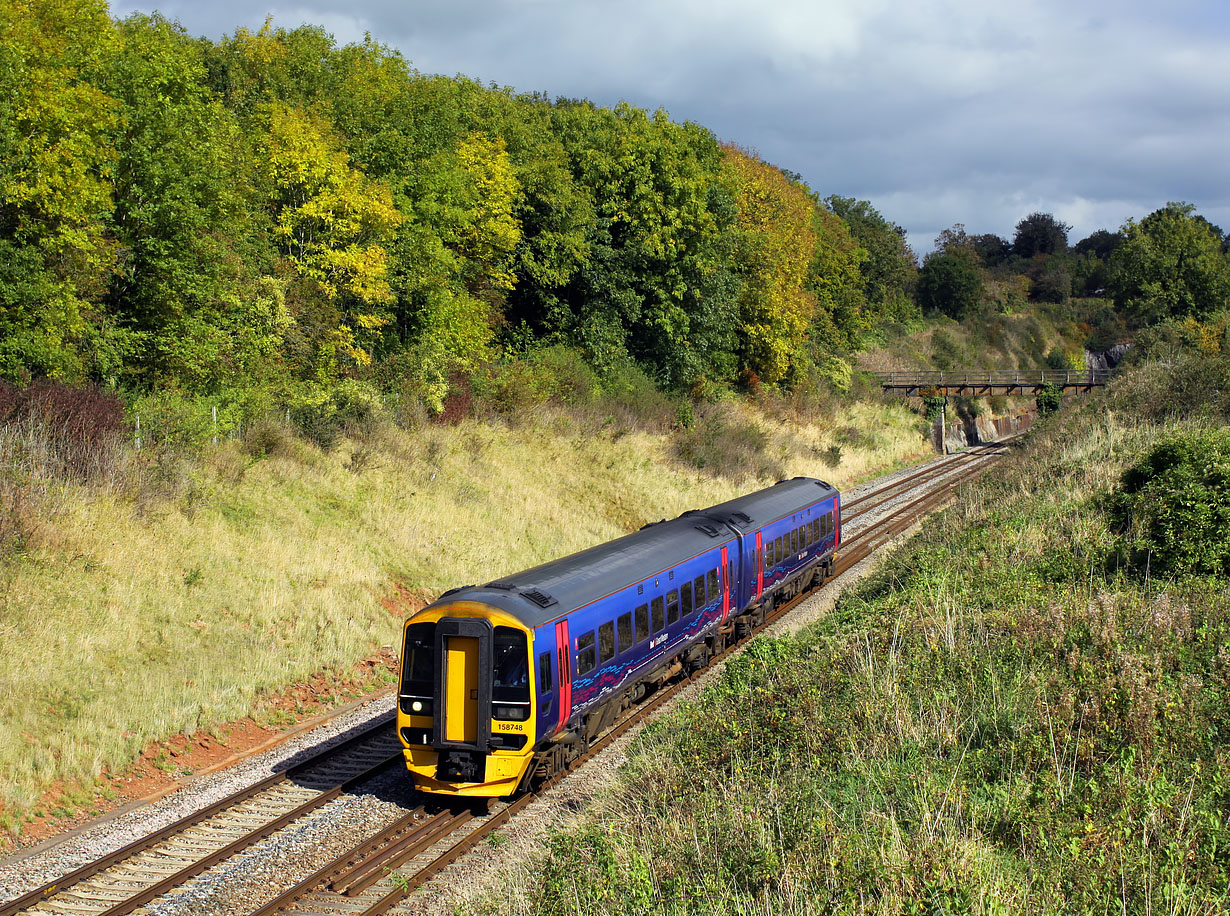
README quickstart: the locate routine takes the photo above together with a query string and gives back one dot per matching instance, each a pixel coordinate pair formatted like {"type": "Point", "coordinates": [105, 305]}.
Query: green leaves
{"type": "Point", "coordinates": [1172, 508]}
{"type": "Point", "coordinates": [1170, 265]}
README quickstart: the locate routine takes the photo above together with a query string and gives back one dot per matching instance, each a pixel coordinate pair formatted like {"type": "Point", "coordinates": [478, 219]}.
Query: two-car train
{"type": "Point", "coordinates": [503, 684]}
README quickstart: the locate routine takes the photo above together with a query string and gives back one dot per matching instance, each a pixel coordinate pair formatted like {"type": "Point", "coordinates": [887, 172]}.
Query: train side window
{"type": "Point", "coordinates": [811, 532]}
{"type": "Point", "coordinates": [685, 597]}
{"type": "Point", "coordinates": [713, 584]}
{"type": "Point", "coordinates": [794, 540]}
{"type": "Point", "coordinates": [625, 632]}
{"type": "Point", "coordinates": [655, 607]}
{"type": "Point", "coordinates": [606, 641]}
{"type": "Point", "coordinates": [586, 661]}
{"type": "Point", "coordinates": [824, 527]}
{"type": "Point", "coordinates": [730, 573]}
{"type": "Point", "coordinates": [672, 606]}
{"type": "Point", "coordinates": [778, 553]}
{"type": "Point", "coordinates": [828, 519]}
{"type": "Point", "coordinates": [698, 592]}
{"type": "Point", "coordinates": [642, 623]}
{"type": "Point", "coordinates": [544, 673]}
{"type": "Point", "coordinates": [767, 550]}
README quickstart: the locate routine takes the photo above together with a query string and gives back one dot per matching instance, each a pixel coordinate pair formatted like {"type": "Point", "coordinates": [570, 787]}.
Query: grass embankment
{"type": "Point", "coordinates": [1006, 718]}
{"type": "Point", "coordinates": [172, 595]}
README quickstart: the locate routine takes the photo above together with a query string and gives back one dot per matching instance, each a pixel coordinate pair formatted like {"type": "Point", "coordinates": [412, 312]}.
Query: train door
{"type": "Point", "coordinates": [463, 715]}
{"type": "Point", "coordinates": [564, 654]}
{"type": "Point", "coordinates": [759, 563]}
{"type": "Point", "coordinates": [725, 574]}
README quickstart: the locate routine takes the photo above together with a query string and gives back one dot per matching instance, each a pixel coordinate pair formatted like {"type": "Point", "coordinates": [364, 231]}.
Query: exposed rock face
{"type": "Point", "coordinates": [1104, 360]}
{"type": "Point", "coordinates": [976, 430]}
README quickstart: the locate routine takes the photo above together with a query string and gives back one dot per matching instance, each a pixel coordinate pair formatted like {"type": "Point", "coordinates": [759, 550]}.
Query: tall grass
{"type": "Point", "coordinates": [999, 721]}
{"type": "Point", "coordinates": [179, 591]}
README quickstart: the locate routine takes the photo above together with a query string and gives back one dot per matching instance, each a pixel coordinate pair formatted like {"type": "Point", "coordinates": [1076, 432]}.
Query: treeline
{"type": "Point", "coordinates": [273, 213]}
{"type": "Point", "coordinates": [1173, 264]}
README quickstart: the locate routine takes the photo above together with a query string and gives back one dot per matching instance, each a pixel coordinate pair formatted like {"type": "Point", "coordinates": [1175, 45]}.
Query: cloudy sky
{"type": "Point", "coordinates": [937, 111]}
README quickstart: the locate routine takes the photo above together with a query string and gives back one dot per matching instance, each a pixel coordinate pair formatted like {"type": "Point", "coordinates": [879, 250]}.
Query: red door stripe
{"type": "Point", "coordinates": [725, 586]}
{"type": "Point", "coordinates": [759, 563]}
{"type": "Point", "coordinates": [564, 653]}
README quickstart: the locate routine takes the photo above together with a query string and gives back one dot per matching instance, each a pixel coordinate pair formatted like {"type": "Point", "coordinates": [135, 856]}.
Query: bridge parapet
{"type": "Point", "coordinates": [986, 382]}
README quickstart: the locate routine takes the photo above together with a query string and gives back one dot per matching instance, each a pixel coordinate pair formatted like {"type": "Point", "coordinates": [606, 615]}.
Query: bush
{"type": "Point", "coordinates": [1172, 510]}
{"type": "Point", "coordinates": [1049, 399]}
{"type": "Point", "coordinates": [68, 431]}
{"type": "Point", "coordinates": [725, 443]}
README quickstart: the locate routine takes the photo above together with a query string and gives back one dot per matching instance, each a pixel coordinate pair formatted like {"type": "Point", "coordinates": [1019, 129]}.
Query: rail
{"type": "Point", "coordinates": [986, 381]}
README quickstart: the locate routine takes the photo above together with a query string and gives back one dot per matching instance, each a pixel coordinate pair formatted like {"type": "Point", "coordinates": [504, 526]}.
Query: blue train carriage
{"type": "Point", "coordinates": [503, 684]}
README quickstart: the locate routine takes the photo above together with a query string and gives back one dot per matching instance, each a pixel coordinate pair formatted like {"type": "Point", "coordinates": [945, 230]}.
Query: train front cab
{"type": "Point", "coordinates": [465, 712]}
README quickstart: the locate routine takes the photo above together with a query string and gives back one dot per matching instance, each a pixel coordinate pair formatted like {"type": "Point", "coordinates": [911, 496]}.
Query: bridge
{"type": "Point", "coordinates": [976, 383]}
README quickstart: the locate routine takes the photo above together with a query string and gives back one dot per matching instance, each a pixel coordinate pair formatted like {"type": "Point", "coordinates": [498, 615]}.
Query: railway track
{"type": "Point", "coordinates": [381, 871]}
{"type": "Point", "coordinates": [130, 877]}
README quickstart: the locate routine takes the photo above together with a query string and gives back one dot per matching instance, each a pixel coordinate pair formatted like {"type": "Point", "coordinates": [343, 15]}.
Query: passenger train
{"type": "Point", "coordinates": [503, 684]}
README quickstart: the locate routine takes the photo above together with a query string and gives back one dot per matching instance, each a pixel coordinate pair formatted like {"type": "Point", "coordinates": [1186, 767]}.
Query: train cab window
{"type": "Point", "coordinates": [698, 591]}
{"type": "Point", "coordinates": [713, 583]}
{"type": "Point", "coordinates": [655, 607]}
{"type": "Point", "coordinates": [545, 683]}
{"type": "Point", "coordinates": [625, 632]}
{"type": "Point", "coordinates": [672, 606]}
{"type": "Point", "coordinates": [685, 598]}
{"type": "Point", "coordinates": [510, 675]}
{"type": "Point", "coordinates": [642, 623]}
{"type": "Point", "coordinates": [606, 641]}
{"type": "Point", "coordinates": [418, 668]}
{"type": "Point", "coordinates": [586, 658]}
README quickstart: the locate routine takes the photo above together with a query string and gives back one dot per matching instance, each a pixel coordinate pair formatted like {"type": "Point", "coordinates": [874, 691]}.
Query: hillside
{"type": "Point", "coordinates": [171, 592]}
{"type": "Point", "coordinates": [1024, 710]}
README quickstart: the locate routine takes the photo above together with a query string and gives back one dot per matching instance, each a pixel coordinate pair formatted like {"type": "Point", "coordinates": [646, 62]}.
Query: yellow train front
{"type": "Point", "coordinates": [506, 683]}
{"type": "Point", "coordinates": [464, 712]}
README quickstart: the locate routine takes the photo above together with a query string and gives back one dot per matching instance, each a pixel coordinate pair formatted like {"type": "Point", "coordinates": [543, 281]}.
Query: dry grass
{"type": "Point", "coordinates": [178, 597]}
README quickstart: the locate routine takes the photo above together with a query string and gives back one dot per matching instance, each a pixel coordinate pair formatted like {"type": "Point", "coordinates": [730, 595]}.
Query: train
{"type": "Point", "coordinates": [503, 685]}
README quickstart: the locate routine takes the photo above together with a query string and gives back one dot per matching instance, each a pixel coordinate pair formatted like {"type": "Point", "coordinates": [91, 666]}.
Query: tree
{"type": "Point", "coordinates": [332, 224]}
{"type": "Point", "coordinates": [890, 268]}
{"type": "Point", "coordinates": [777, 241]}
{"type": "Point", "coordinates": [992, 249]}
{"type": "Point", "coordinates": [1101, 244]}
{"type": "Point", "coordinates": [56, 157]}
{"type": "Point", "coordinates": [1170, 265]}
{"type": "Point", "coordinates": [950, 283]}
{"type": "Point", "coordinates": [188, 287]}
{"type": "Point", "coordinates": [1040, 233]}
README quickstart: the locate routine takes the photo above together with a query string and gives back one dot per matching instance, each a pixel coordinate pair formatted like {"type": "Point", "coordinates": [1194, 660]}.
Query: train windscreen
{"type": "Point", "coordinates": [418, 667]}
{"type": "Point", "coordinates": [510, 678]}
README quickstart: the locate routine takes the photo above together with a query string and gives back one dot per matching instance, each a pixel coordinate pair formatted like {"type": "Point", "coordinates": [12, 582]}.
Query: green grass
{"type": "Point", "coordinates": [182, 592]}
{"type": "Point", "coordinates": [997, 721]}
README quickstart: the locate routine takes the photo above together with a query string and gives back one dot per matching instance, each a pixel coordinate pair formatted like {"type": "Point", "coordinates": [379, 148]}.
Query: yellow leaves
{"type": "Point", "coordinates": [330, 220]}
{"type": "Point", "coordinates": [492, 232]}
{"type": "Point", "coordinates": [778, 240]}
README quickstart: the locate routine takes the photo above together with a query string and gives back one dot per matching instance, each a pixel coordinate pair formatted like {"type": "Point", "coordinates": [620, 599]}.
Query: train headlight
{"type": "Point", "coordinates": [416, 706]}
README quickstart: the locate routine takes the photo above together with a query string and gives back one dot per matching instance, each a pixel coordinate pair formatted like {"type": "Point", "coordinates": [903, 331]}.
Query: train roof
{"type": "Point", "coordinates": [559, 587]}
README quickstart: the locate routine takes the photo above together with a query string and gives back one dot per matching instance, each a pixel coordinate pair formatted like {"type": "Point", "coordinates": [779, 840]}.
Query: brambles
{"type": "Point", "coordinates": [1172, 508]}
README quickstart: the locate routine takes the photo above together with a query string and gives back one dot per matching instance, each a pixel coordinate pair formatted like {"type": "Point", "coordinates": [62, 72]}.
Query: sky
{"type": "Point", "coordinates": [937, 111]}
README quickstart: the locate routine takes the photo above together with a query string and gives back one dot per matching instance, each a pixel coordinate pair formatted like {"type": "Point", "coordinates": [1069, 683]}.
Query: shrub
{"type": "Point", "coordinates": [1172, 509]}
{"type": "Point", "coordinates": [1049, 399]}
{"type": "Point", "coordinates": [67, 431]}
{"type": "Point", "coordinates": [725, 443]}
